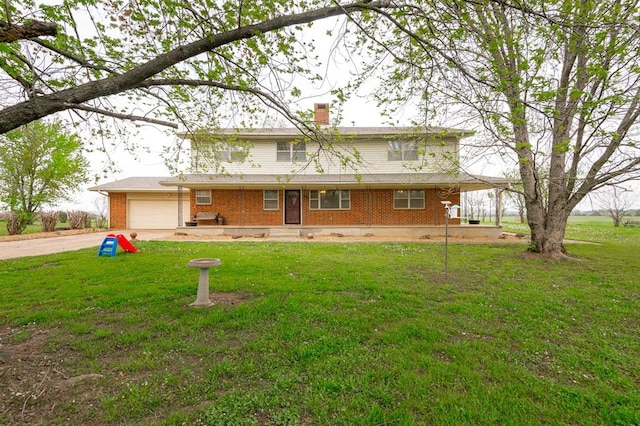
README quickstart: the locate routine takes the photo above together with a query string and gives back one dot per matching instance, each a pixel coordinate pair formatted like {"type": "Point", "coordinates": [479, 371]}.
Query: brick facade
{"type": "Point", "coordinates": [117, 210]}
{"type": "Point", "coordinates": [369, 207]}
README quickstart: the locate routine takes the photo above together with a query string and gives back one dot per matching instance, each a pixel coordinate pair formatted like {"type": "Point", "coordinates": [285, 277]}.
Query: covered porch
{"type": "Point", "coordinates": [293, 232]}
{"type": "Point", "coordinates": [367, 204]}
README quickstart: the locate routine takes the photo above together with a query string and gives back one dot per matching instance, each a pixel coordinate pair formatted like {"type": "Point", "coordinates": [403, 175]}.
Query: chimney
{"type": "Point", "coordinates": [321, 114]}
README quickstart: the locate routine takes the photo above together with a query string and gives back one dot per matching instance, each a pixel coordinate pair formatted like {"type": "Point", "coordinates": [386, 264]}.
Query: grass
{"type": "Point", "coordinates": [33, 228]}
{"type": "Point", "coordinates": [30, 229]}
{"type": "Point", "coordinates": [326, 334]}
{"type": "Point", "coordinates": [583, 228]}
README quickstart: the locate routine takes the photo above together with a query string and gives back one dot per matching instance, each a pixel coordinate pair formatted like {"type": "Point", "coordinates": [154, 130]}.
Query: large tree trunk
{"type": "Point", "coordinates": [547, 220]}
{"type": "Point", "coordinates": [547, 237]}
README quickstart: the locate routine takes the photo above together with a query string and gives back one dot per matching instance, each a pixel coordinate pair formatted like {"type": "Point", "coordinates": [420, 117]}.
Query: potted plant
{"type": "Point", "coordinates": [472, 219]}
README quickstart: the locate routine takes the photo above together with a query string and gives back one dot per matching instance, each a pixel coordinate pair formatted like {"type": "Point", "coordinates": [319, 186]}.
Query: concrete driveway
{"type": "Point", "coordinates": [40, 246]}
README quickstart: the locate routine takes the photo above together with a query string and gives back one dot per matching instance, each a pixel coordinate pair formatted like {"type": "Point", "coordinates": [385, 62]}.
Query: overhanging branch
{"type": "Point", "coordinates": [130, 117]}
{"type": "Point", "coordinates": [10, 33]}
{"type": "Point", "coordinates": [41, 106]}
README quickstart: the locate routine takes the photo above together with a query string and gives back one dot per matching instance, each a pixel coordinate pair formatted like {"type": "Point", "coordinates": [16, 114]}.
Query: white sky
{"type": "Point", "coordinates": [358, 111]}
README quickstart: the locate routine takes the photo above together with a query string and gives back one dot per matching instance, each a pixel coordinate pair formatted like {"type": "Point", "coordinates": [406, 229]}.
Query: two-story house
{"type": "Point", "coordinates": [352, 180]}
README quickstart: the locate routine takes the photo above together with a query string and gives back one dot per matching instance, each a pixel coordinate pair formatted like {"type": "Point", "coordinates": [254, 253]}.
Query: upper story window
{"type": "Point", "coordinates": [333, 199]}
{"type": "Point", "coordinates": [203, 196]}
{"type": "Point", "coordinates": [230, 153]}
{"type": "Point", "coordinates": [291, 152]}
{"type": "Point", "coordinates": [408, 199]}
{"type": "Point", "coordinates": [402, 150]}
{"type": "Point", "coordinates": [270, 200]}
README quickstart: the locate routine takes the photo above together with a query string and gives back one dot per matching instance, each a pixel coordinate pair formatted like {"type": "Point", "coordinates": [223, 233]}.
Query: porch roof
{"type": "Point", "coordinates": [465, 182]}
{"type": "Point", "coordinates": [278, 133]}
{"type": "Point", "coordinates": [134, 184]}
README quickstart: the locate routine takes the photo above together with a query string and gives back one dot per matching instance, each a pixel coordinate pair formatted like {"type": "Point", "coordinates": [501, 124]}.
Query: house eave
{"type": "Point", "coordinates": [357, 133]}
{"type": "Point", "coordinates": [347, 181]}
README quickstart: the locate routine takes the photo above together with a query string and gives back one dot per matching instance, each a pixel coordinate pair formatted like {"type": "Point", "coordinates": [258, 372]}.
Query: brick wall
{"type": "Point", "coordinates": [368, 207]}
{"type": "Point", "coordinates": [117, 210]}
{"type": "Point", "coordinates": [321, 114]}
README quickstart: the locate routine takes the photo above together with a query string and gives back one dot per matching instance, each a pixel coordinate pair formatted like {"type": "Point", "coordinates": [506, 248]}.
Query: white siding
{"type": "Point", "coordinates": [262, 160]}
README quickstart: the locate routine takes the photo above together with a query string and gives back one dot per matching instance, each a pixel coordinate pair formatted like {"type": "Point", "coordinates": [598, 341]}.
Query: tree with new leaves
{"type": "Point", "coordinates": [554, 84]}
{"type": "Point", "coordinates": [162, 62]}
{"type": "Point", "coordinates": [41, 164]}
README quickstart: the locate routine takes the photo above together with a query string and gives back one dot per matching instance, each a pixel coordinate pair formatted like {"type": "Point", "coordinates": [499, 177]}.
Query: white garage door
{"type": "Point", "coordinates": [155, 214]}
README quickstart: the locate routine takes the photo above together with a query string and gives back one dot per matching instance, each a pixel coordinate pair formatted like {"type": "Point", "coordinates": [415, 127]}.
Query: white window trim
{"type": "Point", "coordinates": [319, 205]}
{"type": "Point", "coordinates": [264, 200]}
{"type": "Point", "coordinates": [424, 204]}
{"type": "Point", "coordinates": [231, 154]}
{"type": "Point", "coordinates": [200, 203]}
{"type": "Point", "coordinates": [295, 149]}
{"type": "Point", "coordinates": [404, 145]}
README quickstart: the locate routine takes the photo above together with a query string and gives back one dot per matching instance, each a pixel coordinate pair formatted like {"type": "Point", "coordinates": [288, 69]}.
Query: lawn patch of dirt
{"type": "Point", "coordinates": [40, 386]}
{"type": "Point", "coordinates": [35, 385]}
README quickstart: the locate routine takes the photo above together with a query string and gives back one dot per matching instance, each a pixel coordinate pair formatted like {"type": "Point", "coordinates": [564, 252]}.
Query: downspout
{"type": "Point", "coordinates": [242, 206]}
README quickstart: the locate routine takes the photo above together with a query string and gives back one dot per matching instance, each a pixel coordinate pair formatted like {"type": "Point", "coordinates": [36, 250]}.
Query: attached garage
{"type": "Point", "coordinates": [155, 214]}
{"type": "Point", "coordinates": [142, 203]}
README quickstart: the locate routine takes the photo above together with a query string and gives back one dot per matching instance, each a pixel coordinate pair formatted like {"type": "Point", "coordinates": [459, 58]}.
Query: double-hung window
{"type": "Point", "coordinates": [230, 153]}
{"type": "Point", "coordinates": [270, 199]}
{"type": "Point", "coordinates": [203, 196]}
{"type": "Point", "coordinates": [294, 152]}
{"type": "Point", "coordinates": [408, 199]}
{"type": "Point", "coordinates": [331, 199]}
{"type": "Point", "coordinates": [402, 151]}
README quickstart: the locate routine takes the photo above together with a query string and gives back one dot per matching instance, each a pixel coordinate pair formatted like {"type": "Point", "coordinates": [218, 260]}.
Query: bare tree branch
{"type": "Point", "coordinates": [130, 117]}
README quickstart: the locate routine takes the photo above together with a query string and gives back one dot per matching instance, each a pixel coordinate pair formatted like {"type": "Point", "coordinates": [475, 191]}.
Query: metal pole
{"type": "Point", "coordinates": [446, 240]}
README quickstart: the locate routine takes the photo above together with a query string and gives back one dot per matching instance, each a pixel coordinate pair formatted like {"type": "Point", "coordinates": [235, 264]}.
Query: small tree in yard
{"type": "Point", "coordinates": [616, 203]}
{"type": "Point", "coordinates": [40, 164]}
{"type": "Point", "coordinates": [102, 212]}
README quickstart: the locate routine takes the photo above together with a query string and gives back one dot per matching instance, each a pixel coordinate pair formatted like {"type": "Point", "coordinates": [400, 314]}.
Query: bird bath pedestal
{"type": "Point", "coordinates": [203, 283]}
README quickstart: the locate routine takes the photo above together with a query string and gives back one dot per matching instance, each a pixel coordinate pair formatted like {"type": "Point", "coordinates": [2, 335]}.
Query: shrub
{"type": "Point", "coordinates": [17, 222]}
{"type": "Point", "coordinates": [101, 221]}
{"type": "Point", "coordinates": [62, 217]}
{"type": "Point", "coordinates": [48, 221]}
{"type": "Point", "coordinates": [77, 219]}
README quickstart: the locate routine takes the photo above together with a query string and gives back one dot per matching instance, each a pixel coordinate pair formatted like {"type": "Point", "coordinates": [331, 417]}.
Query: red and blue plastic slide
{"type": "Point", "coordinates": [124, 243]}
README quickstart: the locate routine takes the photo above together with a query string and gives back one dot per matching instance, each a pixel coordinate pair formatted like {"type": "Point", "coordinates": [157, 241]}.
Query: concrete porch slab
{"type": "Point", "coordinates": [461, 231]}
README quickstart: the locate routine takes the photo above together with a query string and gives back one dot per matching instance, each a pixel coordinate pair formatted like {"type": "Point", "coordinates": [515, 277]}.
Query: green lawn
{"type": "Point", "coordinates": [35, 227]}
{"type": "Point", "coordinates": [31, 229]}
{"type": "Point", "coordinates": [326, 334]}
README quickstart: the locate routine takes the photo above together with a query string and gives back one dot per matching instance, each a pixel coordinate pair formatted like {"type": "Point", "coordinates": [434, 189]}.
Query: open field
{"type": "Point", "coordinates": [34, 228]}
{"type": "Point", "coordinates": [325, 334]}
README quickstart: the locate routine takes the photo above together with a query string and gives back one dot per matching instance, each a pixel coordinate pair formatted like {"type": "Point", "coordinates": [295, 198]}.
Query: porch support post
{"type": "Point", "coordinates": [498, 193]}
{"type": "Point", "coordinates": [180, 218]}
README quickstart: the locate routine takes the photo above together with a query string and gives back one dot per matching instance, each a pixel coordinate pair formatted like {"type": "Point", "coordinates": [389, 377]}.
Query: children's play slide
{"type": "Point", "coordinates": [108, 246]}
{"type": "Point", "coordinates": [125, 244]}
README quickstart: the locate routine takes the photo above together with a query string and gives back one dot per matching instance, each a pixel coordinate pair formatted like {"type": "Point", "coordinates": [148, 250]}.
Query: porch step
{"type": "Point", "coordinates": [284, 233]}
